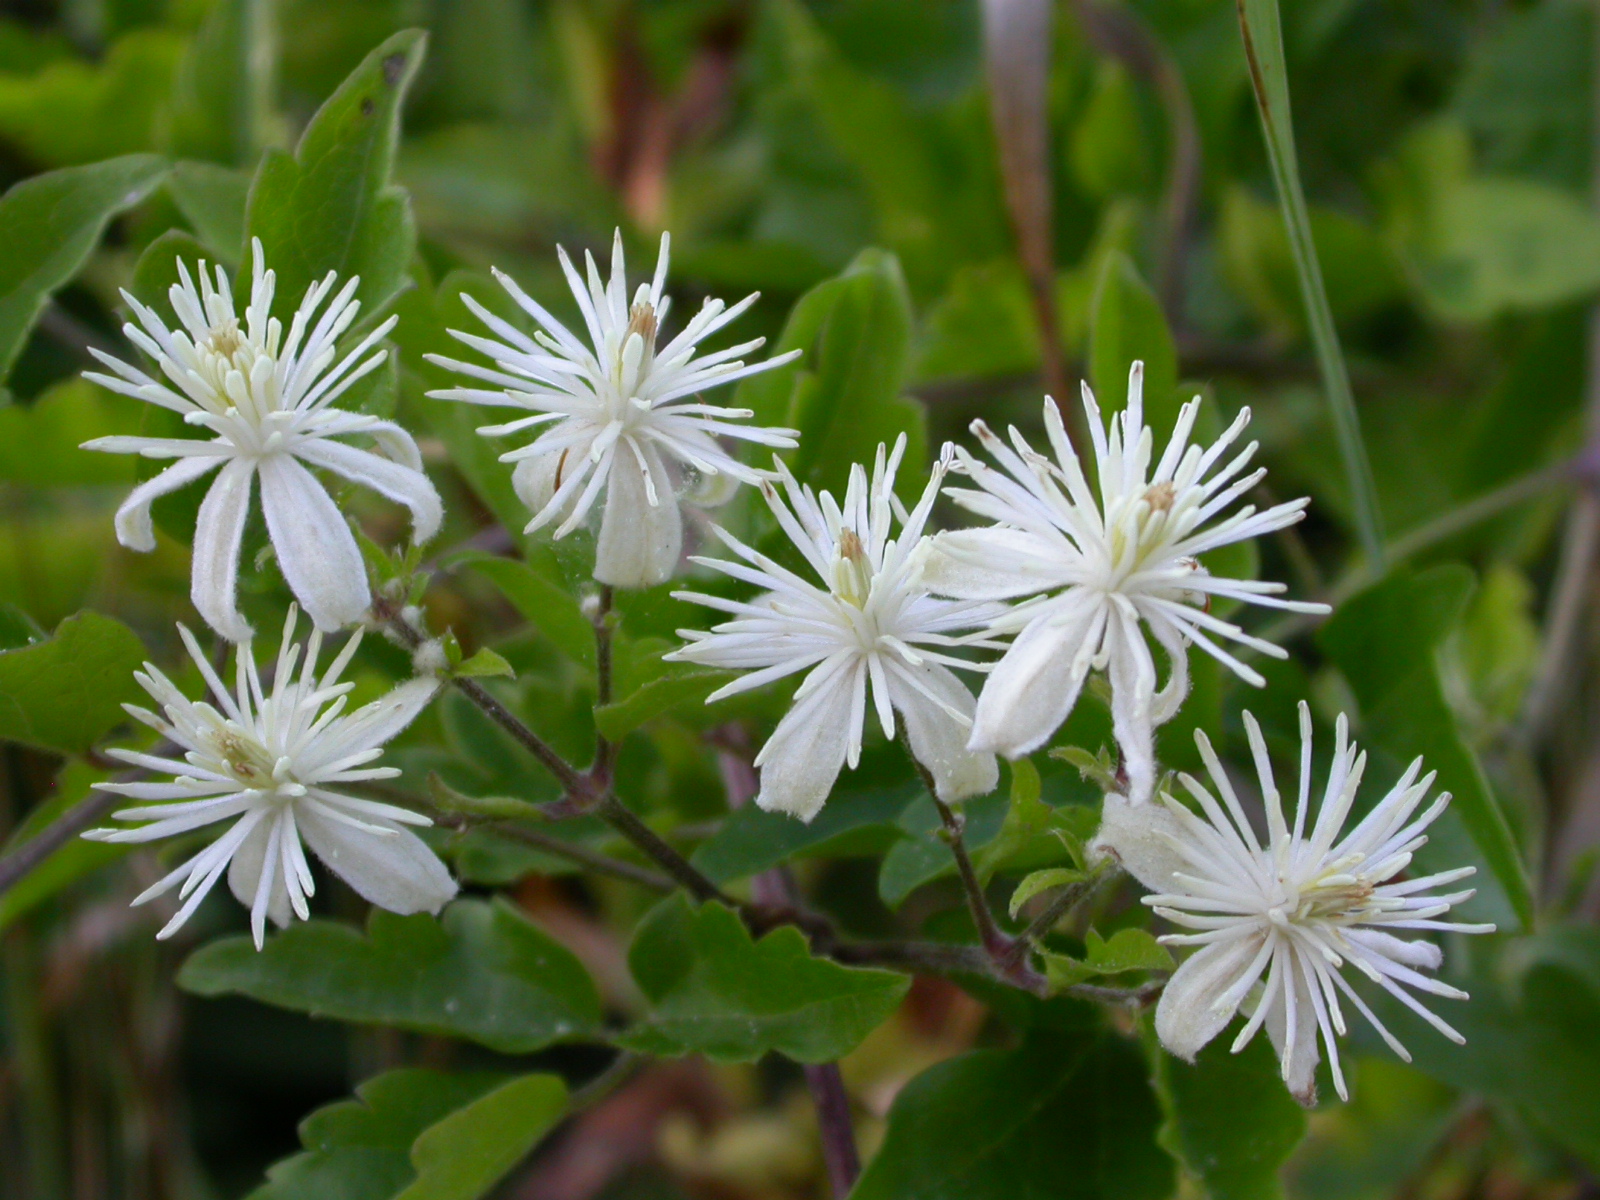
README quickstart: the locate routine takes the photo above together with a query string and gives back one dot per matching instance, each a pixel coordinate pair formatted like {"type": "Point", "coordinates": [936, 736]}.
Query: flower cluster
{"type": "Point", "coordinates": [1079, 568]}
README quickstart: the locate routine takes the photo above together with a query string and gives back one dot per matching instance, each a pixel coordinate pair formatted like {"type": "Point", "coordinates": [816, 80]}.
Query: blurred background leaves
{"type": "Point", "coordinates": [841, 157]}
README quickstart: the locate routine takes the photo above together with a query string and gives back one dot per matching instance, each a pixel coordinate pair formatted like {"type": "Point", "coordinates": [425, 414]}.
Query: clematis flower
{"type": "Point", "coordinates": [1278, 920]}
{"type": "Point", "coordinates": [267, 401]}
{"type": "Point", "coordinates": [623, 414]}
{"type": "Point", "coordinates": [272, 765]}
{"type": "Point", "coordinates": [869, 622]}
{"type": "Point", "coordinates": [1101, 569]}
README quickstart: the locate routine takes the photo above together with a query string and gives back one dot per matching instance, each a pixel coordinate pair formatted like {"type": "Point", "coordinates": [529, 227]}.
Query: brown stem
{"type": "Point", "coordinates": [592, 859]}
{"type": "Point", "coordinates": [622, 819]}
{"type": "Point", "coordinates": [1001, 949]}
{"type": "Point", "coordinates": [575, 782]}
{"type": "Point", "coordinates": [833, 1121]}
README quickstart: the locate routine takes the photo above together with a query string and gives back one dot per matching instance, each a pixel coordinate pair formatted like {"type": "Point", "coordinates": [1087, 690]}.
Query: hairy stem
{"type": "Point", "coordinates": [604, 752]}
{"type": "Point", "coordinates": [1065, 901]}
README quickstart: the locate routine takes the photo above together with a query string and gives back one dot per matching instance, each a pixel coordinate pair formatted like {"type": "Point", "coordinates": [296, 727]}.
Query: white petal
{"type": "Point", "coordinates": [938, 740]}
{"type": "Point", "coordinates": [217, 534]}
{"type": "Point", "coordinates": [1300, 1067]}
{"type": "Point", "coordinates": [398, 482]}
{"type": "Point", "coordinates": [991, 564]}
{"type": "Point", "coordinates": [1188, 1016]}
{"type": "Point", "coordinates": [1137, 836]}
{"type": "Point", "coordinates": [134, 528]}
{"type": "Point", "coordinates": [316, 551]}
{"type": "Point", "coordinates": [372, 725]}
{"type": "Point", "coordinates": [244, 875]}
{"type": "Point", "coordinates": [395, 871]}
{"type": "Point", "coordinates": [640, 542]}
{"type": "Point", "coordinates": [806, 751]}
{"type": "Point", "coordinates": [1133, 697]}
{"type": "Point", "coordinates": [1033, 688]}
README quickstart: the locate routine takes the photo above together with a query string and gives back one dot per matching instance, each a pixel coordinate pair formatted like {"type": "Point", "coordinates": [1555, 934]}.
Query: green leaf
{"type": "Point", "coordinates": [844, 393]}
{"type": "Point", "coordinates": [922, 856]}
{"type": "Point", "coordinates": [715, 991]}
{"type": "Point", "coordinates": [751, 840]}
{"type": "Point", "coordinates": [1064, 1115]}
{"type": "Point", "coordinates": [66, 693]}
{"type": "Point", "coordinates": [540, 600]}
{"type": "Point", "coordinates": [40, 442]}
{"type": "Point", "coordinates": [1477, 246]}
{"type": "Point", "coordinates": [1230, 1120]}
{"type": "Point", "coordinates": [222, 95]}
{"type": "Point", "coordinates": [1269, 77]}
{"type": "Point", "coordinates": [467, 1153]}
{"type": "Point", "coordinates": [679, 687]}
{"type": "Point", "coordinates": [481, 971]}
{"type": "Point", "coordinates": [1034, 834]}
{"type": "Point", "coordinates": [1127, 325]}
{"type": "Point", "coordinates": [331, 206]}
{"type": "Point", "coordinates": [49, 224]}
{"type": "Point", "coordinates": [75, 112]}
{"type": "Point", "coordinates": [1126, 950]}
{"type": "Point", "coordinates": [361, 1149]}
{"type": "Point", "coordinates": [426, 316]}
{"type": "Point", "coordinates": [212, 199]}
{"type": "Point", "coordinates": [1385, 641]}
{"type": "Point", "coordinates": [1043, 881]}
{"type": "Point", "coordinates": [484, 664]}
{"type": "Point", "coordinates": [1530, 1029]}
{"type": "Point", "coordinates": [1112, 147]}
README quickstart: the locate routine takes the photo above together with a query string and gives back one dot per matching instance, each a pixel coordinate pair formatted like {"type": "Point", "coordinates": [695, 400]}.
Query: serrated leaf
{"type": "Point", "coordinates": [714, 990]}
{"type": "Point", "coordinates": [331, 206]}
{"type": "Point", "coordinates": [66, 693]}
{"type": "Point", "coordinates": [481, 971]}
{"type": "Point", "coordinates": [1043, 881]}
{"type": "Point", "coordinates": [484, 664]}
{"type": "Point", "coordinates": [467, 1153]}
{"type": "Point", "coordinates": [1385, 640]}
{"type": "Point", "coordinates": [49, 224]}
{"type": "Point", "coordinates": [1126, 950]}
{"type": "Point", "coordinates": [1064, 1115]}
{"type": "Point", "coordinates": [1230, 1120]}
{"type": "Point", "coordinates": [361, 1149]}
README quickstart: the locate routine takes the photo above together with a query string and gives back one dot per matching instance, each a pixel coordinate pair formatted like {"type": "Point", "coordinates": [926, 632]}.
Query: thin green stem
{"type": "Point", "coordinates": [1263, 46]}
{"type": "Point", "coordinates": [1065, 901]}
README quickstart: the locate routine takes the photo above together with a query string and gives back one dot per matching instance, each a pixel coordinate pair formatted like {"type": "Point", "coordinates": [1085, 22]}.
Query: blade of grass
{"type": "Point", "coordinates": [1263, 47]}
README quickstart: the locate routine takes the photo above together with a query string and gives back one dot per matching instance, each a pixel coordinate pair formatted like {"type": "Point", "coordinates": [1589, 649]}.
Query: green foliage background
{"type": "Point", "coordinates": [838, 156]}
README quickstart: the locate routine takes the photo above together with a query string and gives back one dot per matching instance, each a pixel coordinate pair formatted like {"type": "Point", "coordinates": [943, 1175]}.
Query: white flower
{"type": "Point", "coordinates": [871, 621]}
{"type": "Point", "coordinates": [1297, 908]}
{"type": "Point", "coordinates": [624, 418]}
{"type": "Point", "coordinates": [268, 403]}
{"type": "Point", "coordinates": [1099, 566]}
{"type": "Point", "coordinates": [272, 764]}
